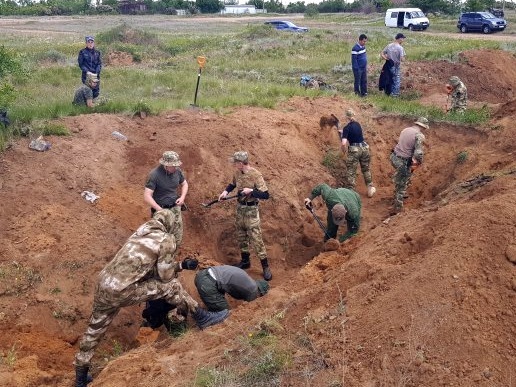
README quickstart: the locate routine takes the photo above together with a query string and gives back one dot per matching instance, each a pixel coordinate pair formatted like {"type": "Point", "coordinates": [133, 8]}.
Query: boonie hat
{"type": "Point", "coordinates": [350, 113]}
{"type": "Point", "coordinates": [89, 38]}
{"type": "Point", "coordinates": [263, 287]}
{"type": "Point", "coordinates": [240, 156]}
{"type": "Point", "coordinates": [454, 81]}
{"type": "Point", "coordinates": [400, 36]}
{"type": "Point", "coordinates": [170, 159]}
{"type": "Point", "coordinates": [423, 122]}
{"type": "Point", "coordinates": [338, 213]}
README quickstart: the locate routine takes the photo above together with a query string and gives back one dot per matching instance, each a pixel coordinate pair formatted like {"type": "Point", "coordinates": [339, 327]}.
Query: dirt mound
{"type": "Point", "coordinates": [476, 68]}
{"type": "Point", "coordinates": [119, 58]}
{"type": "Point", "coordinates": [422, 298]}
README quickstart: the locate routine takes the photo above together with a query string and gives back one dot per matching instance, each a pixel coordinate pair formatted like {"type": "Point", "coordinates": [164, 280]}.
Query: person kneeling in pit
{"type": "Point", "coordinates": [214, 282]}
{"type": "Point", "coordinates": [143, 269]}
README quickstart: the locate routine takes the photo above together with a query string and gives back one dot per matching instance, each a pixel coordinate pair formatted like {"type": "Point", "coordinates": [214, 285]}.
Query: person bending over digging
{"type": "Point", "coordinates": [344, 208]}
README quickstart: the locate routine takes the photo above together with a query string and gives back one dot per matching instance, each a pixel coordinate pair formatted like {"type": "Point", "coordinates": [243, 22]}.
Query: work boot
{"type": "Point", "coordinates": [205, 319]}
{"type": "Point", "coordinates": [81, 376]}
{"type": "Point", "coordinates": [371, 190]}
{"type": "Point", "coordinates": [244, 263]}
{"type": "Point", "coordinates": [267, 275]}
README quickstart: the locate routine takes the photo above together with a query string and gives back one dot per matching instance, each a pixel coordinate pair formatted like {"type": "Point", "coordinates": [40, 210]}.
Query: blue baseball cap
{"type": "Point", "coordinates": [88, 38]}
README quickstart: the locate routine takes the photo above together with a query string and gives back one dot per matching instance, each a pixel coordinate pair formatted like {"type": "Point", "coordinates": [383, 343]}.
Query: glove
{"type": "Point", "coordinates": [308, 203]}
{"type": "Point", "coordinates": [189, 264]}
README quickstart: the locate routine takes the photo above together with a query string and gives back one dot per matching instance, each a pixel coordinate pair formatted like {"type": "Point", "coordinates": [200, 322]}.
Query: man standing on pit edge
{"type": "Point", "coordinates": [250, 187]}
{"type": "Point", "coordinates": [359, 65]}
{"type": "Point", "coordinates": [396, 53]}
{"type": "Point", "coordinates": [90, 60]}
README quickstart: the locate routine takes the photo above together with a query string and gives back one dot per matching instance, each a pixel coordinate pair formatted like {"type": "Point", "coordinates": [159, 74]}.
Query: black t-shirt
{"type": "Point", "coordinates": [352, 132]}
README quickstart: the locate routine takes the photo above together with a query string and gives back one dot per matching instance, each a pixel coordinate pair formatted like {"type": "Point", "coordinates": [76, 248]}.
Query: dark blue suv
{"type": "Point", "coordinates": [480, 21]}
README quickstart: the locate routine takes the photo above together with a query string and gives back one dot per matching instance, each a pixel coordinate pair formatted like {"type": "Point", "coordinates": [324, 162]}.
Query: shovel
{"type": "Point", "coordinates": [217, 200]}
{"type": "Point", "coordinates": [310, 208]}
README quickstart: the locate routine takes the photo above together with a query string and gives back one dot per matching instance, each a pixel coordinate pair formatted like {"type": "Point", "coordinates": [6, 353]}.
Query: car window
{"type": "Point", "coordinates": [488, 15]}
{"type": "Point", "coordinates": [394, 14]}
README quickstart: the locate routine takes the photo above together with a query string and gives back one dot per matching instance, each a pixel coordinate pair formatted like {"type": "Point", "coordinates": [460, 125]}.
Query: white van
{"type": "Point", "coordinates": [411, 18]}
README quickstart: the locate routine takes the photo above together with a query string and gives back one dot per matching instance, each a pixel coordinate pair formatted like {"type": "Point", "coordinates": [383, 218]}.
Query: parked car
{"type": "Point", "coordinates": [286, 26]}
{"type": "Point", "coordinates": [480, 21]}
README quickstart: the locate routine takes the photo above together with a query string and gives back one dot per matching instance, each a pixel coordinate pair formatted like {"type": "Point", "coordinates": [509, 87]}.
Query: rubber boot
{"type": "Point", "coordinates": [245, 263]}
{"type": "Point", "coordinates": [81, 376]}
{"type": "Point", "coordinates": [205, 319]}
{"type": "Point", "coordinates": [267, 275]}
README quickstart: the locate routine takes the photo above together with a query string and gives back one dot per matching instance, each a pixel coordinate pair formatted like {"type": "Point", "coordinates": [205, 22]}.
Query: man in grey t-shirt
{"type": "Point", "coordinates": [84, 94]}
{"type": "Point", "coordinates": [214, 282]}
{"type": "Point", "coordinates": [396, 53]}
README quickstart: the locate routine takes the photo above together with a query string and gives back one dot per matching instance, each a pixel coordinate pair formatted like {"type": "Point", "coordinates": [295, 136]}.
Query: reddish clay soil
{"type": "Point", "coordinates": [425, 298]}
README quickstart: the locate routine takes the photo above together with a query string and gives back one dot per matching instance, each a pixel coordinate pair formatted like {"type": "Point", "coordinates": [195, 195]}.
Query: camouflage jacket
{"type": "Point", "coordinates": [251, 179]}
{"type": "Point", "coordinates": [459, 98]}
{"type": "Point", "coordinates": [148, 253]}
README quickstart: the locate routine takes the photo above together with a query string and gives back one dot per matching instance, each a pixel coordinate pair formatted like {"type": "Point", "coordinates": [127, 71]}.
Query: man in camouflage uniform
{"type": "Point", "coordinates": [143, 269]}
{"type": "Point", "coordinates": [84, 94]}
{"type": "Point", "coordinates": [352, 142]}
{"type": "Point", "coordinates": [407, 155]}
{"type": "Point", "coordinates": [344, 207]}
{"type": "Point", "coordinates": [458, 93]}
{"type": "Point", "coordinates": [251, 187]}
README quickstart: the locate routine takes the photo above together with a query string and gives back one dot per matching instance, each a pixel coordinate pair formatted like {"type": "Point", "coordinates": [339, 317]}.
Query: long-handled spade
{"type": "Point", "coordinates": [310, 208]}
{"type": "Point", "coordinates": [201, 61]}
{"type": "Point", "coordinates": [217, 200]}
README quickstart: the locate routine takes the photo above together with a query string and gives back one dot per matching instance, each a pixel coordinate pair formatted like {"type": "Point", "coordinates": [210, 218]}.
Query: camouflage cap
{"type": "Point", "coordinates": [167, 218]}
{"type": "Point", "coordinates": [338, 213]}
{"type": "Point", "coordinates": [91, 77]}
{"type": "Point", "coordinates": [263, 287]}
{"type": "Point", "coordinates": [170, 159]}
{"type": "Point", "coordinates": [241, 156]}
{"type": "Point", "coordinates": [454, 81]}
{"type": "Point", "coordinates": [423, 122]}
{"type": "Point", "coordinates": [350, 113]}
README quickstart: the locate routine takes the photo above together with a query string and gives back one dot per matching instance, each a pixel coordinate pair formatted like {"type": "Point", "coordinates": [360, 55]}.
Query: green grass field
{"type": "Point", "coordinates": [247, 62]}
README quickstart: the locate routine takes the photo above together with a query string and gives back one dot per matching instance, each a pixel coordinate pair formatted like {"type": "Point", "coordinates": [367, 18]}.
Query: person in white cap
{"type": "Point", "coordinates": [84, 94]}
{"type": "Point", "coordinates": [352, 143]}
{"type": "Point", "coordinates": [407, 155]}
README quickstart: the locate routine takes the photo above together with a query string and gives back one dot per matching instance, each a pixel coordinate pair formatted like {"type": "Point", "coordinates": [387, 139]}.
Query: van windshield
{"type": "Point", "coordinates": [416, 14]}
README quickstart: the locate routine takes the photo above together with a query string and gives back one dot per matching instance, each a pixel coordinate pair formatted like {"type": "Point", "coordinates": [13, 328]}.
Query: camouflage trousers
{"type": "Point", "coordinates": [107, 304]}
{"type": "Point", "coordinates": [358, 155]}
{"type": "Point", "coordinates": [248, 230]}
{"type": "Point", "coordinates": [401, 179]}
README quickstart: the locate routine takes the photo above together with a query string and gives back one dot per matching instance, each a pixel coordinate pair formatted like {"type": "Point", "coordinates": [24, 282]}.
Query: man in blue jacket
{"type": "Point", "coordinates": [90, 60]}
{"type": "Point", "coordinates": [359, 65]}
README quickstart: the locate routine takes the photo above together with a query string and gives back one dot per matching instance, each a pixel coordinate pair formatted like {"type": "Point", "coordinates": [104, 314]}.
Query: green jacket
{"type": "Point", "coordinates": [349, 198]}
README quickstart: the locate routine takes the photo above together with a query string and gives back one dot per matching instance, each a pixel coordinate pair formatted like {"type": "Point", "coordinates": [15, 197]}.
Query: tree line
{"type": "Point", "coordinates": [78, 7]}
